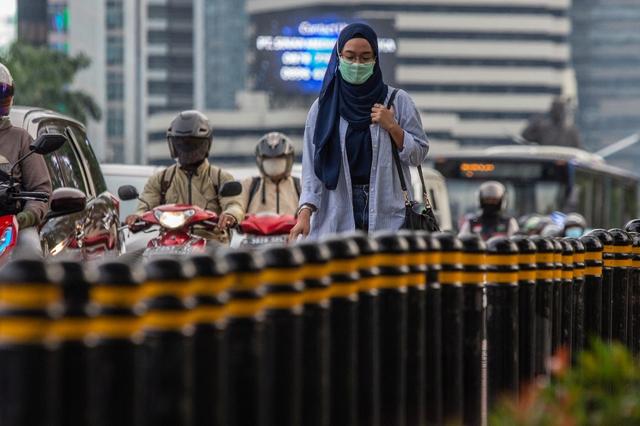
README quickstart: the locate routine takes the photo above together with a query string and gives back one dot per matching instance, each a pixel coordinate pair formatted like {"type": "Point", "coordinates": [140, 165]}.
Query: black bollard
{"type": "Point", "coordinates": [566, 336]}
{"type": "Point", "coordinates": [344, 331]}
{"type": "Point", "coordinates": [633, 228]}
{"type": "Point", "coordinates": [452, 328]}
{"type": "Point", "coordinates": [166, 348]}
{"type": "Point", "coordinates": [473, 286]}
{"type": "Point", "coordinates": [416, 331]}
{"type": "Point", "coordinates": [315, 337]}
{"type": "Point", "coordinates": [545, 269]}
{"type": "Point", "coordinates": [68, 332]}
{"type": "Point", "coordinates": [578, 335]}
{"type": "Point", "coordinates": [607, 282]}
{"type": "Point", "coordinates": [27, 366]}
{"type": "Point", "coordinates": [284, 302]}
{"type": "Point", "coordinates": [592, 288]}
{"type": "Point", "coordinates": [527, 265]}
{"type": "Point", "coordinates": [207, 299]}
{"type": "Point", "coordinates": [556, 338]}
{"type": "Point", "coordinates": [502, 319]}
{"type": "Point", "coordinates": [622, 258]}
{"type": "Point", "coordinates": [245, 341]}
{"type": "Point", "coordinates": [368, 330]}
{"type": "Point", "coordinates": [115, 391]}
{"type": "Point", "coordinates": [433, 333]}
{"type": "Point", "coordinates": [394, 275]}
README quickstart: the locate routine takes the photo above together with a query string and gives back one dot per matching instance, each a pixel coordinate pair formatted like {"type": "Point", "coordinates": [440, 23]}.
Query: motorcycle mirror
{"type": "Point", "coordinates": [231, 189]}
{"type": "Point", "coordinates": [127, 192]}
{"type": "Point", "coordinates": [66, 201]}
{"type": "Point", "coordinates": [47, 143]}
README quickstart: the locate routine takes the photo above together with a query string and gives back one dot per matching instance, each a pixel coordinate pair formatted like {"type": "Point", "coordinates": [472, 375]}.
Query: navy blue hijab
{"type": "Point", "coordinates": [349, 101]}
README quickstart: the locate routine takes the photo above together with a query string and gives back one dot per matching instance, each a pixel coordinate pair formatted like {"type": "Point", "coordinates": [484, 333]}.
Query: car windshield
{"type": "Point", "coordinates": [541, 197]}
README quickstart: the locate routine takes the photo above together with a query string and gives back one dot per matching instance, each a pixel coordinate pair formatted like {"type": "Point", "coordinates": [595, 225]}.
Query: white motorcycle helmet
{"type": "Point", "coordinates": [274, 156]}
{"type": "Point", "coordinates": [7, 89]}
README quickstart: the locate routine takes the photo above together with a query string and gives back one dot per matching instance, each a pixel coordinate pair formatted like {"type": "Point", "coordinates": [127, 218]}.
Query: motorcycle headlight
{"type": "Point", "coordinates": [173, 220]}
{"type": "Point", "coordinates": [5, 239]}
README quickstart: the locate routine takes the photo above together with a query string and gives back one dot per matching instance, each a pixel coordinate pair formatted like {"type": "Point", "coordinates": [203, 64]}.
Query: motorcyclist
{"type": "Point", "coordinates": [192, 180]}
{"type": "Point", "coordinates": [275, 190]}
{"type": "Point", "coordinates": [575, 225]}
{"type": "Point", "coordinates": [490, 221]}
{"type": "Point", "coordinates": [32, 172]}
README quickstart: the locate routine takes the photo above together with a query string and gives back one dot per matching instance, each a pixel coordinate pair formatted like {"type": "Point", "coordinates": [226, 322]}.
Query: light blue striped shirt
{"type": "Point", "coordinates": [386, 202]}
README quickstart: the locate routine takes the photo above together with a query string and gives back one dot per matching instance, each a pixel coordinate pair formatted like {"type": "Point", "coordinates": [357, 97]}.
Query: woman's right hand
{"type": "Point", "coordinates": [303, 225]}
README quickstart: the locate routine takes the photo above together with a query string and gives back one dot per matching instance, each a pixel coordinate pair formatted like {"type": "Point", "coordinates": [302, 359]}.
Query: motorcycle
{"type": "Point", "coordinates": [262, 229]}
{"type": "Point", "coordinates": [181, 229]}
{"type": "Point", "coordinates": [12, 197]}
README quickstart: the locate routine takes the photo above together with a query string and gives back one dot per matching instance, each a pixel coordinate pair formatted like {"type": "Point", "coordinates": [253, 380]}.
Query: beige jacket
{"type": "Point", "coordinates": [270, 197]}
{"type": "Point", "coordinates": [201, 189]}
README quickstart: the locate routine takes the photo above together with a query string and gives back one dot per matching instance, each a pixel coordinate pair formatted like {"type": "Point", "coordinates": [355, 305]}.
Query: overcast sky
{"type": "Point", "coordinates": [7, 21]}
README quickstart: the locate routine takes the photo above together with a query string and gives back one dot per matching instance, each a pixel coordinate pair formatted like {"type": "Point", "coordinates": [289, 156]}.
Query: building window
{"type": "Point", "coordinates": [115, 51]}
{"type": "Point", "coordinates": [115, 16]}
{"type": "Point", "coordinates": [115, 123]}
{"type": "Point", "coordinates": [115, 86]}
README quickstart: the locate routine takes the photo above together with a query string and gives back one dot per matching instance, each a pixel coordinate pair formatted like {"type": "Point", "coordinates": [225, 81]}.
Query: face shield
{"type": "Point", "coordinates": [275, 167]}
{"type": "Point", "coordinates": [188, 150]}
{"type": "Point", "coordinates": [6, 98]}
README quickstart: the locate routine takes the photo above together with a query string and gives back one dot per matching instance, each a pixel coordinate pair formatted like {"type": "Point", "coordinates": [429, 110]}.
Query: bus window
{"type": "Point", "coordinates": [616, 204]}
{"type": "Point", "coordinates": [582, 194]}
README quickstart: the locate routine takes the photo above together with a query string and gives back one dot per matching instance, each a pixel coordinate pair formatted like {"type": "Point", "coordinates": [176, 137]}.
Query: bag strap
{"type": "Point", "coordinates": [255, 183]}
{"type": "Point", "coordinates": [298, 185]}
{"type": "Point", "coordinates": [165, 185]}
{"type": "Point", "coordinates": [396, 159]}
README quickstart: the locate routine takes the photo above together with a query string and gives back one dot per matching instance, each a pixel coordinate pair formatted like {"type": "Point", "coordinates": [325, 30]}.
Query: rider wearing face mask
{"type": "Point", "coordinates": [275, 190]}
{"type": "Point", "coordinates": [491, 221]}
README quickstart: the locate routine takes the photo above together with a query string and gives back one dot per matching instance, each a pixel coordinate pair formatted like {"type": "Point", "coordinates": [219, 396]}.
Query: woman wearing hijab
{"type": "Point", "coordinates": [349, 180]}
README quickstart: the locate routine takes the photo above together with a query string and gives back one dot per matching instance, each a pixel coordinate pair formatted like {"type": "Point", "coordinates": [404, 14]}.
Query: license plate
{"type": "Point", "coordinates": [258, 240]}
{"type": "Point", "coordinates": [168, 250]}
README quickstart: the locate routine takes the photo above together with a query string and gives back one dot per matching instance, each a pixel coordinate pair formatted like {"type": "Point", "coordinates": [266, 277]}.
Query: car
{"type": "Point", "coordinates": [117, 175]}
{"type": "Point", "coordinates": [93, 232]}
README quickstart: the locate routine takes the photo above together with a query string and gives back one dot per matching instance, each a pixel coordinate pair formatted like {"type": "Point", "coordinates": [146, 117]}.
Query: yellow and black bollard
{"type": "Point", "coordinates": [433, 332]}
{"type": "Point", "coordinates": [207, 297]}
{"type": "Point", "coordinates": [452, 328]}
{"type": "Point", "coordinates": [545, 269]}
{"type": "Point", "coordinates": [607, 281]}
{"type": "Point", "coordinates": [166, 348]}
{"type": "Point", "coordinates": [502, 319]}
{"type": "Point", "coordinates": [394, 277]}
{"type": "Point", "coordinates": [622, 259]}
{"type": "Point", "coordinates": [315, 336]}
{"type": "Point", "coordinates": [68, 333]}
{"type": "Point", "coordinates": [344, 331]}
{"type": "Point", "coordinates": [633, 228]}
{"type": "Point", "coordinates": [284, 302]}
{"type": "Point", "coordinates": [556, 337]}
{"type": "Point", "coordinates": [566, 337]}
{"type": "Point", "coordinates": [114, 394]}
{"type": "Point", "coordinates": [416, 327]}
{"type": "Point", "coordinates": [473, 279]}
{"type": "Point", "coordinates": [527, 266]}
{"type": "Point", "coordinates": [27, 366]}
{"type": "Point", "coordinates": [368, 330]}
{"type": "Point", "coordinates": [592, 288]}
{"type": "Point", "coordinates": [245, 340]}
{"type": "Point", "coordinates": [578, 335]}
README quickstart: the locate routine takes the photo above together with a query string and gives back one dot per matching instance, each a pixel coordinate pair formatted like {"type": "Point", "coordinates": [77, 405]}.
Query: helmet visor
{"type": "Point", "coordinates": [6, 97]}
{"type": "Point", "coordinates": [190, 150]}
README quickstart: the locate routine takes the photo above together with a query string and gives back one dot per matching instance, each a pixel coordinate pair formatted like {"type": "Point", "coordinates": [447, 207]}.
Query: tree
{"type": "Point", "coordinates": [43, 78]}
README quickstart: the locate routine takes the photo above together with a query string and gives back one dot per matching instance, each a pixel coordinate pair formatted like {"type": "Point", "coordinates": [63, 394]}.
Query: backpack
{"type": "Point", "coordinates": [255, 185]}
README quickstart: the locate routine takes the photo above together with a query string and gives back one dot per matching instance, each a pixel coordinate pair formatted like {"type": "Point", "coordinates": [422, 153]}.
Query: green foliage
{"type": "Point", "coordinates": [43, 78]}
{"type": "Point", "coordinates": [602, 389]}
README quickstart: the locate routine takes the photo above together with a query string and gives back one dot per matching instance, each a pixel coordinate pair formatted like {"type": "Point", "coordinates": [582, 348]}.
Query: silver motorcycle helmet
{"type": "Point", "coordinates": [274, 156]}
{"type": "Point", "coordinates": [7, 89]}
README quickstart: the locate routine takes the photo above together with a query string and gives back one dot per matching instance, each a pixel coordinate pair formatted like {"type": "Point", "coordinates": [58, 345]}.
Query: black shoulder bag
{"type": "Point", "coordinates": [417, 216]}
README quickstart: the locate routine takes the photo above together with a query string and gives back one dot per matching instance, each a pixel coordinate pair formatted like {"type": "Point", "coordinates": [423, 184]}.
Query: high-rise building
{"type": "Point", "coordinates": [606, 57]}
{"type": "Point", "coordinates": [477, 69]}
{"type": "Point", "coordinates": [32, 22]}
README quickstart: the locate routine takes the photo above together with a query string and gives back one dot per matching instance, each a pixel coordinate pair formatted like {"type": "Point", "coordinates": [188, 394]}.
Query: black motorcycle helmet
{"type": "Point", "coordinates": [189, 138]}
{"type": "Point", "coordinates": [274, 145]}
{"type": "Point", "coordinates": [491, 197]}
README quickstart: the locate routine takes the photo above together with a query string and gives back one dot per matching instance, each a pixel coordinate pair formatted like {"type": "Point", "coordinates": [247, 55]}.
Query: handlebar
{"type": "Point", "coordinates": [31, 195]}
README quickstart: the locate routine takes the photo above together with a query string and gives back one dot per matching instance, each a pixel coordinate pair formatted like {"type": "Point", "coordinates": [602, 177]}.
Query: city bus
{"type": "Point", "coordinates": [542, 179]}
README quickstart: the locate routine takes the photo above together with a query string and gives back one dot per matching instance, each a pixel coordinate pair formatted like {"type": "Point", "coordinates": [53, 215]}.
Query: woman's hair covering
{"type": "Point", "coordinates": [351, 102]}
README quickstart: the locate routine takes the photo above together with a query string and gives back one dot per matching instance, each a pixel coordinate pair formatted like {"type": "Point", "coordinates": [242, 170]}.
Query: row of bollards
{"type": "Point", "coordinates": [399, 329]}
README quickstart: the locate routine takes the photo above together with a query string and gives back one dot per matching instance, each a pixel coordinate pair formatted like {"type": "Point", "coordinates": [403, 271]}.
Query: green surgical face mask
{"type": "Point", "coordinates": [355, 73]}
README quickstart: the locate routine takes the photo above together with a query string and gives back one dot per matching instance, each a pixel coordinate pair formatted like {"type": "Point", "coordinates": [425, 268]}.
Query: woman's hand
{"type": "Point", "coordinates": [302, 227]}
{"type": "Point", "coordinates": [385, 117]}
